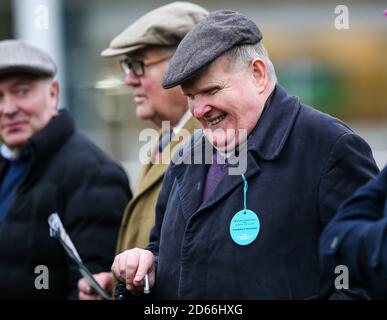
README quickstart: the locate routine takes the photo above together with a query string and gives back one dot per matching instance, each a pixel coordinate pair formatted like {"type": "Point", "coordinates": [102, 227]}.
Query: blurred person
{"type": "Point", "coordinates": [253, 235]}
{"type": "Point", "coordinates": [47, 167]}
{"type": "Point", "coordinates": [146, 47]}
{"type": "Point", "coordinates": [356, 236]}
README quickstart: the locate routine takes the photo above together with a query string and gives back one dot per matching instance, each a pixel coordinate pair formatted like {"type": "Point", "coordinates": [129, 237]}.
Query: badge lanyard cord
{"type": "Point", "coordinates": [246, 186]}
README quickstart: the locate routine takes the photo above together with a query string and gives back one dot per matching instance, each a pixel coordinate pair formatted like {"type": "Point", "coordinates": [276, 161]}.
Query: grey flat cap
{"type": "Point", "coordinates": [19, 56]}
{"type": "Point", "coordinates": [214, 35]}
{"type": "Point", "coordinates": [164, 26]}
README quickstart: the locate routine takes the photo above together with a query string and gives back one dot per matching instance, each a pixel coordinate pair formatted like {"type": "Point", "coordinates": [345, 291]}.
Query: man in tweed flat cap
{"type": "Point", "coordinates": [47, 167]}
{"type": "Point", "coordinates": [254, 235]}
{"type": "Point", "coordinates": [145, 49]}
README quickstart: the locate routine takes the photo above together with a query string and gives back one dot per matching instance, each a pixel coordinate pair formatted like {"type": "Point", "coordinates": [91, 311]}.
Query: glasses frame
{"type": "Point", "coordinates": [137, 67]}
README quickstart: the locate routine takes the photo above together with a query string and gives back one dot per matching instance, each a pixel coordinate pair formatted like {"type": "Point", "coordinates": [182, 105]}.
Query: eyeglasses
{"type": "Point", "coordinates": [137, 66]}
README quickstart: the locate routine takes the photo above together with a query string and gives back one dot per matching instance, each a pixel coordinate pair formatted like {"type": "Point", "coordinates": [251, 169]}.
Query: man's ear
{"type": "Point", "coordinates": [259, 69]}
{"type": "Point", "coordinates": [54, 94]}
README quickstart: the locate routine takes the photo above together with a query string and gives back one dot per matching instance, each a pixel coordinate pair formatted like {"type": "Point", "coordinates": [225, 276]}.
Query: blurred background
{"type": "Point", "coordinates": [341, 71]}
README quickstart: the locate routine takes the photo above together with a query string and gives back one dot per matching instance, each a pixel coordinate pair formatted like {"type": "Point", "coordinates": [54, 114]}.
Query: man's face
{"type": "Point", "coordinates": [227, 102]}
{"type": "Point", "coordinates": [153, 102]}
{"type": "Point", "coordinates": [26, 106]}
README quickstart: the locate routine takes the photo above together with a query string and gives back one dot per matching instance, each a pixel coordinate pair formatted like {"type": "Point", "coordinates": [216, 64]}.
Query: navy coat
{"type": "Point", "coordinates": [357, 236]}
{"type": "Point", "coordinates": [301, 165]}
{"type": "Point", "coordinates": [73, 177]}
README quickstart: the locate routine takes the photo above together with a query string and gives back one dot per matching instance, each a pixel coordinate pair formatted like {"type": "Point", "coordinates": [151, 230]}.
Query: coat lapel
{"type": "Point", "coordinates": [230, 182]}
{"type": "Point", "coordinates": [154, 172]}
{"type": "Point", "coordinates": [191, 193]}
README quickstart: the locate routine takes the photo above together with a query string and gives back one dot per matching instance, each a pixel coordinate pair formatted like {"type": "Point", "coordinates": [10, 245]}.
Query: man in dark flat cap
{"type": "Point", "coordinates": [252, 235]}
{"type": "Point", "coordinates": [47, 167]}
{"type": "Point", "coordinates": [145, 49]}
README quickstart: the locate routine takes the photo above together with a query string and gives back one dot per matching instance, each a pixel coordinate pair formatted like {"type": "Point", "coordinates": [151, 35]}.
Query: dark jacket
{"type": "Point", "coordinates": [301, 164]}
{"type": "Point", "coordinates": [357, 238]}
{"type": "Point", "coordinates": [73, 177]}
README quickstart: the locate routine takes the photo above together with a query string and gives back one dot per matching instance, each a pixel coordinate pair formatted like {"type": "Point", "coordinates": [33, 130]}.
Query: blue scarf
{"type": "Point", "coordinates": [16, 171]}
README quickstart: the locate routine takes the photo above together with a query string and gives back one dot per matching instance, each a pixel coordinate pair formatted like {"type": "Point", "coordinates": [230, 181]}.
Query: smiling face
{"type": "Point", "coordinates": [27, 104]}
{"type": "Point", "coordinates": [153, 102]}
{"type": "Point", "coordinates": [228, 100]}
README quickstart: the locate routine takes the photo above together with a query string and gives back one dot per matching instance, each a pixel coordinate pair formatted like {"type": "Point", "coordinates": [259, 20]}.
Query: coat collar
{"type": "Point", "coordinates": [50, 139]}
{"type": "Point", "coordinates": [273, 128]}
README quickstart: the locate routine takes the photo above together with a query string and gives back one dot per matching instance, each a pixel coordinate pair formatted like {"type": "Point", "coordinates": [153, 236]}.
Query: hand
{"type": "Point", "coordinates": [87, 292]}
{"type": "Point", "coordinates": [131, 266]}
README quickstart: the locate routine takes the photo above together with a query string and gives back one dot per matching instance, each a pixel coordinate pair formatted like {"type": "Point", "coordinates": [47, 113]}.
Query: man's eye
{"type": "Point", "coordinates": [211, 91]}
{"type": "Point", "coordinates": [23, 91]}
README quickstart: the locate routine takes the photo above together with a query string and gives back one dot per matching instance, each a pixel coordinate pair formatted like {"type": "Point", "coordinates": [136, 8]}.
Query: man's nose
{"type": "Point", "coordinates": [199, 108]}
{"type": "Point", "coordinates": [8, 105]}
{"type": "Point", "coordinates": [132, 80]}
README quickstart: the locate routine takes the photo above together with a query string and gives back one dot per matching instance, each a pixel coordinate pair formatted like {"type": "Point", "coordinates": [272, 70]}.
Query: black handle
{"type": "Point", "coordinates": [121, 293]}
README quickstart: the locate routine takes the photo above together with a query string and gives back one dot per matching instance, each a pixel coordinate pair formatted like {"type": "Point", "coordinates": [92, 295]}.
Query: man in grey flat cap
{"type": "Point", "coordinates": [47, 167]}
{"type": "Point", "coordinates": [253, 235]}
{"type": "Point", "coordinates": [146, 47]}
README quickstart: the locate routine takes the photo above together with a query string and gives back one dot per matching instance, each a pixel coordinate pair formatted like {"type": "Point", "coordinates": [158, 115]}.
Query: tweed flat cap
{"type": "Point", "coordinates": [164, 26]}
{"type": "Point", "coordinates": [19, 56]}
{"type": "Point", "coordinates": [214, 35]}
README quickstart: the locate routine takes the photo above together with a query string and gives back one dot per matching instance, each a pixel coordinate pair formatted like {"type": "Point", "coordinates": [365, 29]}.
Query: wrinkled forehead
{"type": "Point", "coordinates": [215, 72]}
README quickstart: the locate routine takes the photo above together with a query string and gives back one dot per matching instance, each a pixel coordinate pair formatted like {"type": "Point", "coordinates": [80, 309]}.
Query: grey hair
{"type": "Point", "coordinates": [244, 54]}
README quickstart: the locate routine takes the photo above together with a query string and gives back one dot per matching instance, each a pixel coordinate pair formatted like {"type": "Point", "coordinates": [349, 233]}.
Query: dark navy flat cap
{"type": "Point", "coordinates": [214, 35]}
